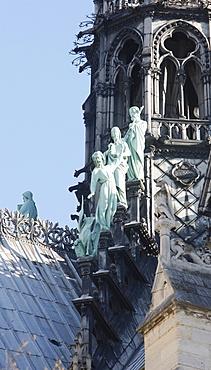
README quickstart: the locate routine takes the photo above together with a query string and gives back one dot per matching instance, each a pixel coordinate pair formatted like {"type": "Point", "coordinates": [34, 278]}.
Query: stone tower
{"type": "Point", "coordinates": [155, 54]}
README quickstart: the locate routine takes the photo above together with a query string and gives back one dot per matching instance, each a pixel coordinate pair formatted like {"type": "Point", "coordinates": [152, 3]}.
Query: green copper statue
{"type": "Point", "coordinates": [135, 138]}
{"type": "Point", "coordinates": [107, 201]}
{"type": "Point", "coordinates": [117, 154]}
{"type": "Point", "coordinates": [28, 207]}
{"type": "Point", "coordinates": [89, 234]}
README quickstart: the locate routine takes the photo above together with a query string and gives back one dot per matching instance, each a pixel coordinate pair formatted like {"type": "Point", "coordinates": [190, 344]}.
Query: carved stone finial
{"type": "Point", "coordinates": [104, 243]}
{"type": "Point", "coordinates": [119, 219]}
{"type": "Point", "coordinates": [81, 359]}
{"type": "Point", "coordinates": [166, 220]}
{"type": "Point", "coordinates": [164, 226]}
{"type": "Point", "coordinates": [181, 250]}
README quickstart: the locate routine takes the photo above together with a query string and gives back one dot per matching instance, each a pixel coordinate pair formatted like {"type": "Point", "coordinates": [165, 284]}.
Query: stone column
{"type": "Point", "coordinates": [84, 339]}
{"type": "Point", "coordinates": [181, 76]}
{"type": "Point", "coordinates": [104, 242]}
{"type": "Point", "coordinates": [156, 80]}
{"type": "Point", "coordinates": [134, 191]}
{"type": "Point", "coordinates": [164, 226]}
{"type": "Point", "coordinates": [119, 220]}
{"type": "Point", "coordinates": [85, 264]}
{"type": "Point", "coordinates": [205, 104]}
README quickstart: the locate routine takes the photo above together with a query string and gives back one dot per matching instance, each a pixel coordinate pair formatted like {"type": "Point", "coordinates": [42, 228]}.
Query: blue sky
{"type": "Point", "coordinates": [41, 97]}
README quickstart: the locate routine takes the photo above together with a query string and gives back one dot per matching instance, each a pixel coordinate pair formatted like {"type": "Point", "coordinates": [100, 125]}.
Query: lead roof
{"type": "Point", "coordinates": [38, 319]}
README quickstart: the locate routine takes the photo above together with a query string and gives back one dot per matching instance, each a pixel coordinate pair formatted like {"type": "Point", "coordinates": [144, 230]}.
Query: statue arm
{"type": "Point", "coordinates": [126, 152]}
{"type": "Point", "coordinates": [105, 156]}
{"type": "Point", "coordinates": [24, 208]}
{"type": "Point", "coordinates": [93, 185]}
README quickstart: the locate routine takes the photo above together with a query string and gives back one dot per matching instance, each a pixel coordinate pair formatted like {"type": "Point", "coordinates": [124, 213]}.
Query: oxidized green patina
{"type": "Point", "coordinates": [135, 138]}
{"type": "Point", "coordinates": [28, 207]}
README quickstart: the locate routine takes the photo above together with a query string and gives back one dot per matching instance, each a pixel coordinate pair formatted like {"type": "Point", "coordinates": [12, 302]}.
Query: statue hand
{"type": "Point", "coordinates": [90, 195]}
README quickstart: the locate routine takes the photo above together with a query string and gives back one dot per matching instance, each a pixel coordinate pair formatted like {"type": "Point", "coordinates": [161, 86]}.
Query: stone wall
{"type": "Point", "coordinates": [181, 340]}
{"type": "Point", "coordinates": [177, 328]}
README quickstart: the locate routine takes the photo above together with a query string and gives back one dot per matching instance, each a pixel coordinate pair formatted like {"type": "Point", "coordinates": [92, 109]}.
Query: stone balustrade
{"type": "Point", "coordinates": [119, 5]}
{"type": "Point", "coordinates": [182, 129]}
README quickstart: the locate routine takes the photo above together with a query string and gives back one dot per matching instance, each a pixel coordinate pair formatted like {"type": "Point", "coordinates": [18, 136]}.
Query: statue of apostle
{"type": "Point", "coordinates": [107, 199]}
{"type": "Point", "coordinates": [28, 207]}
{"type": "Point", "coordinates": [117, 154]}
{"type": "Point", "coordinates": [135, 139]}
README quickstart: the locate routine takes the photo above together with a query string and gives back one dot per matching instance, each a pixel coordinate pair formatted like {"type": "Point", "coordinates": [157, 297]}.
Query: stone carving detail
{"type": "Point", "coordinates": [186, 173]}
{"type": "Point", "coordinates": [181, 250]}
{"type": "Point", "coordinates": [167, 28]}
{"type": "Point", "coordinates": [164, 205]}
{"type": "Point", "coordinates": [126, 32]}
{"type": "Point", "coordinates": [186, 3]}
{"type": "Point", "coordinates": [45, 232]}
{"type": "Point", "coordinates": [81, 360]}
{"type": "Point", "coordinates": [185, 198]}
{"type": "Point", "coordinates": [120, 5]}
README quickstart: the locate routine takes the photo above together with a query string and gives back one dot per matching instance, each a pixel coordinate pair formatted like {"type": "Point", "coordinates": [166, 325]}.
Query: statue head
{"type": "Point", "coordinates": [135, 111]}
{"type": "Point", "coordinates": [98, 158]}
{"type": "Point", "coordinates": [115, 133]}
{"type": "Point", "coordinates": [27, 195]}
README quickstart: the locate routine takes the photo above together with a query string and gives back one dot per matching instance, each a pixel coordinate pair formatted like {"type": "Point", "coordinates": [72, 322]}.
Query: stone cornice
{"type": "Point", "coordinates": [184, 149]}
{"type": "Point", "coordinates": [113, 22]}
{"type": "Point", "coordinates": [168, 307]}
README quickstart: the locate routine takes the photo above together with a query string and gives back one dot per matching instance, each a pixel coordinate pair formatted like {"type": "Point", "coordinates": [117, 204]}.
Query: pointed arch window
{"type": "Point", "coordinates": [180, 86]}
{"type": "Point", "coordinates": [126, 77]}
{"type": "Point", "coordinates": [136, 86]}
{"type": "Point", "coordinates": [120, 98]}
{"type": "Point", "coordinates": [168, 89]}
{"type": "Point", "coordinates": [193, 90]}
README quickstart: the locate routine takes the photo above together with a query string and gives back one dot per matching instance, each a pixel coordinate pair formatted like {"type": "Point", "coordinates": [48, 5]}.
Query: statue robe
{"type": "Point", "coordinates": [107, 202]}
{"type": "Point", "coordinates": [28, 207]}
{"type": "Point", "coordinates": [135, 139]}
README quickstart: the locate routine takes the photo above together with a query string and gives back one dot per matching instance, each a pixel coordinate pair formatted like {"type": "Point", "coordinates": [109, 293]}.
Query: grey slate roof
{"type": "Point", "coordinates": [191, 285]}
{"type": "Point", "coordinates": [191, 288]}
{"type": "Point", "coordinates": [128, 353]}
{"type": "Point", "coordinates": [137, 362]}
{"type": "Point", "coordinates": [38, 319]}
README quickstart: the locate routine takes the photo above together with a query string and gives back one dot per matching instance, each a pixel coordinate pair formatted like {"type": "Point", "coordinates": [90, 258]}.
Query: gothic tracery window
{"type": "Point", "coordinates": [119, 99]}
{"type": "Point", "coordinates": [136, 88]}
{"type": "Point", "coordinates": [180, 90]}
{"type": "Point", "coordinates": [128, 79]}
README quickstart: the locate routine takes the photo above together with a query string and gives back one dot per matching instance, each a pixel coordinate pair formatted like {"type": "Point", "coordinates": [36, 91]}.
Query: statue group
{"type": "Point", "coordinates": [123, 159]}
